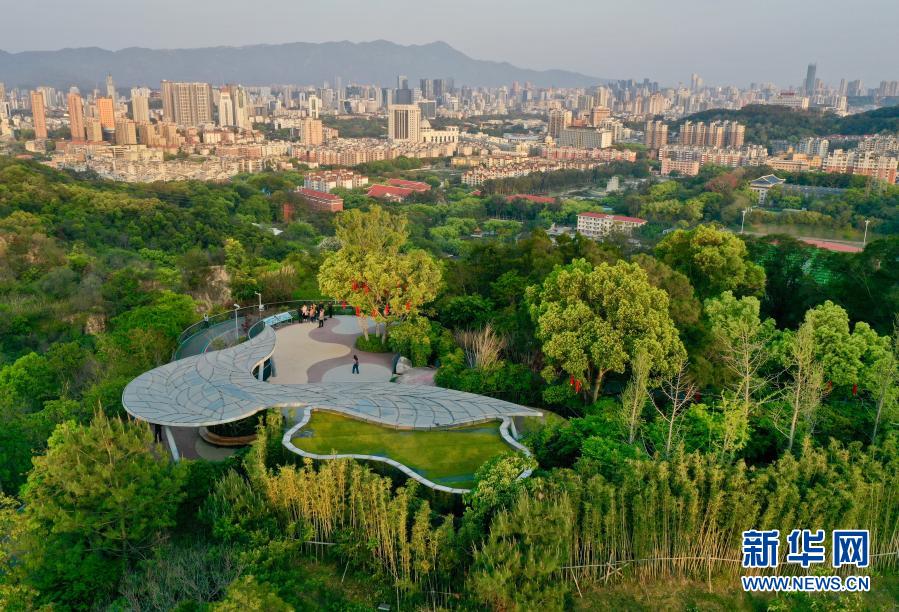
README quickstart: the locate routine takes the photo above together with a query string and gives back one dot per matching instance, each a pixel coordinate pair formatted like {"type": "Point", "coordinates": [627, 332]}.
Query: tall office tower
{"type": "Point", "coordinates": [695, 82]}
{"type": "Point", "coordinates": [603, 96]}
{"type": "Point", "coordinates": [106, 111]}
{"type": "Point", "coordinates": [427, 89]}
{"type": "Point", "coordinates": [240, 101]}
{"type": "Point", "coordinates": [558, 121]}
{"type": "Point", "coordinates": [125, 132]}
{"type": "Point", "coordinates": [38, 114]}
{"type": "Point", "coordinates": [440, 88]}
{"type": "Point", "coordinates": [655, 135]}
{"type": "Point", "coordinates": [402, 82]}
{"type": "Point", "coordinates": [140, 105]}
{"type": "Point", "coordinates": [313, 106]}
{"type": "Point", "coordinates": [226, 109]}
{"type": "Point", "coordinates": [842, 89]}
{"type": "Point", "coordinates": [187, 103]}
{"type": "Point", "coordinates": [110, 88]}
{"type": "Point", "coordinates": [855, 88]}
{"type": "Point", "coordinates": [810, 79]}
{"type": "Point", "coordinates": [93, 129]}
{"type": "Point", "coordinates": [403, 96]}
{"type": "Point", "coordinates": [404, 122]}
{"type": "Point", "coordinates": [76, 116]}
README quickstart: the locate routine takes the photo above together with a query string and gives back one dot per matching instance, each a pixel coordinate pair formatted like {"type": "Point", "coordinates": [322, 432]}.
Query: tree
{"type": "Point", "coordinates": [98, 498]}
{"type": "Point", "coordinates": [804, 392]}
{"type": "Point", "coordinates": [517, 567]}
{"type": "Point", "coordinates": [839, 351]}
{"type": "Point", "coordinates": [741, 340]}
{"type": "Point", "coordinates": [247, 595]}
{"type": "Point", "coordinates": [678, 390]}
{"type": "Point", "coordinates": [634, 396]}
{"type": "Point", "coordinates": [683, 306]}
{"type": "Point", "coordinates": [595, 320]}
{"type": "Point", "coordinates": [882, 379]}
{"type": "Point", "coordinates": [374, 273]}
{"type": "Point", "coordinates": [713, 259]}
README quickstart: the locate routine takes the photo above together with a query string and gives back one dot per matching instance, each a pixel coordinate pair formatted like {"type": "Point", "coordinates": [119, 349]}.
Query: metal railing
{"type": "Point", "coordinates": [196, 338]}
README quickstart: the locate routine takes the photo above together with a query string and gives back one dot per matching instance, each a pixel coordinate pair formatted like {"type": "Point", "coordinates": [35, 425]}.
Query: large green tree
{"type": "Point", "coordinates": [99, 498]}
{"type": "Point", "coordinates": [375, 271]}
{"type": "Point", "coordinates": [714, 260]}
{"type": "Point", "coordinates": [593, 320]}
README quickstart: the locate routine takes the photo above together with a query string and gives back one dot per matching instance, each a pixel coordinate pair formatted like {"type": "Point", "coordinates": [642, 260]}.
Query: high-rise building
{"type": "Point", "coordinates": [855, 88]}
{"type": "Point", "coordinates": [402, 82]}
{"type": "Point", "coordinates": [110, 88]}
{"type": "Point", "coordinates": [38, 114]}
{"type": "Point", "coordinates": [809, 89]}
{"type": "Point", "coordinates": [404, 122]}
{"type": "Point", "coordinates": [558, 121]}
{"type": "Point", "coordinates": [140, 105]}
{"type": "Point", "coordinates": [93, 130]}
{"type": "Point", "coordinates": [427, 88]}
{"type": "Point", "coordinates": [187, 103]}
{"type": "Point", "coordinates": [313, 105]}
{"type": "Point", "coordinates": [106, 112]}
{"type": "Point", "coordinates": [240, 101]}
{"type": "Point", "coordinates": [655, 135]}
{"type": "Point", "coordinates": [695, 82]}
{"type": "Point", "coordinates": [76, 116]}
{"type": "Point", "coordinates": [598, 114]}
{"type": "Point", "coordinates": [125, 132]}
{"type": "Point", "coordinates": [311, 131]}
{"type": "Point", "coordinates": [226, 109]}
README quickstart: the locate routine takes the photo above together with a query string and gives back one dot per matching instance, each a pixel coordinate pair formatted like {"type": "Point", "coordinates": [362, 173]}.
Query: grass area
{"type": "Point", "coordinates": [447, 456]}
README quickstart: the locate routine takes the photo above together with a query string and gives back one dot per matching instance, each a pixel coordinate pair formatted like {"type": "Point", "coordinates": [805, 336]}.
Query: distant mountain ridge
{"type": "Point", "coordinates": [378, 61]}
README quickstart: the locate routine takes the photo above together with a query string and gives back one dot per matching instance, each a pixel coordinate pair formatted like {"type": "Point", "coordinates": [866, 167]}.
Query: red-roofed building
{"type": "Point", "coordinates": [319, 200]}
{"type": "Point", "coordinates": [599, 225]}
{"type": "Point", "coordinates": [415, 186]}
{"type": "Point", "coordinates": [389, 193]}
{"type": "Point", "coordinates": [531, 198]}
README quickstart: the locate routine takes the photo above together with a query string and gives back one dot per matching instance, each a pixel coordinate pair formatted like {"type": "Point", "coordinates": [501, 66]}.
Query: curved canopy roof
{"type": "Point", "coordinates": [219, 387]}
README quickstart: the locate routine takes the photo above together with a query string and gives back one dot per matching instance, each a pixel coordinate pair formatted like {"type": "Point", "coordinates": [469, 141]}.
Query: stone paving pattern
{"type": "Point", "coordinates": [219, 387]}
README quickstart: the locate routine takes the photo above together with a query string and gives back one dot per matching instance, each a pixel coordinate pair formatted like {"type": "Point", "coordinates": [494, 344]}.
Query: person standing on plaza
{"type": "Point", "coordinates": [304, 312]}
{"type": "Point", "coordinates": [355, 364]}
{"type": "Point", "coordinates": [321, 316]}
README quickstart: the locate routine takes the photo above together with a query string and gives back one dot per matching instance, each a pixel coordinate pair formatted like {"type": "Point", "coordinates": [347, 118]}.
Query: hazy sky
{"type": "Point", "coordinates": [725, 41]}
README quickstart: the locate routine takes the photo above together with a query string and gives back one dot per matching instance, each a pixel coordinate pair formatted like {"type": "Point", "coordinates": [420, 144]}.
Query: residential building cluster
{"type": "Point", "coordinates": [688, 159]}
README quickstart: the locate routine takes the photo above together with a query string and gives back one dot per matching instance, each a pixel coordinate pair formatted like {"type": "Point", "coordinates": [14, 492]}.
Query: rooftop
{"type": "Point", "coordinates": [219, 387]}
{"type": "Point", "coordinates": [620, 218]}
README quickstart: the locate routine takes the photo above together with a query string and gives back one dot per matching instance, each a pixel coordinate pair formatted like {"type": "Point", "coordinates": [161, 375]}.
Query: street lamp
{"type": "Point", "coordinates": [743, 220]}
{"type": "Point", "coordinates": [236, 332]}
{"type": "Point", "coordinates": [259, 295]}
{"type": "Point", "coordinates": [865, 239]}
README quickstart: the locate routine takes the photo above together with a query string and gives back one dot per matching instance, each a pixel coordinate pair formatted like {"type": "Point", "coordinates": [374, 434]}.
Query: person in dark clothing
{"type": "Point", "coordinates": [157, 432]}
{"type": "Point", "coordinates": [355, 364]}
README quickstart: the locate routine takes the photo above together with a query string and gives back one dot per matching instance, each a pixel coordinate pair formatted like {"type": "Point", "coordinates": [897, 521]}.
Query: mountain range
{"type": "Point", "coordinates": [302, 63]}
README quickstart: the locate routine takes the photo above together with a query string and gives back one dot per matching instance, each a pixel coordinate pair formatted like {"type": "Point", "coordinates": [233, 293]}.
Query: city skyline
{"type": "Point", "coordinates": [775, 48]}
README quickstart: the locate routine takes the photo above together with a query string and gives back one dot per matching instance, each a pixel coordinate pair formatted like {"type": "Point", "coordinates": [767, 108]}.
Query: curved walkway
{"type": "Point", "coordinates": [219, 387]}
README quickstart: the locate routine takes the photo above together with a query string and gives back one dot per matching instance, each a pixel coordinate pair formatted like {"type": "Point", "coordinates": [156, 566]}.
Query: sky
{"type": "Point", "coordinates": [724, 41]}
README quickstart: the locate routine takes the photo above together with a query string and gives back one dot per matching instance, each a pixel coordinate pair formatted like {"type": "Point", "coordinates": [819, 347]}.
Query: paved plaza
{"type": "Point", "coordinates": [312, 368]}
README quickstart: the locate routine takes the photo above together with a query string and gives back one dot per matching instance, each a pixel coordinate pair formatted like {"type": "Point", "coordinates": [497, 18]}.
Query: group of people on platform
{"type": "Point", "coordinates": [311, 313]}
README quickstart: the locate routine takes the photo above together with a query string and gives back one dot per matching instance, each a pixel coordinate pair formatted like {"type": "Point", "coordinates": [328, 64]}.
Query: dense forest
{"type": "Point", "coordinates": [765, 122]}
{"type": "Point", "coordinates": [700, 383]}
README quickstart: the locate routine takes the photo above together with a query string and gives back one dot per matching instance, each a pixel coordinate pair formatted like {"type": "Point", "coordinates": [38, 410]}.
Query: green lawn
{"type": "Point", "coordinates": [448, 456]}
